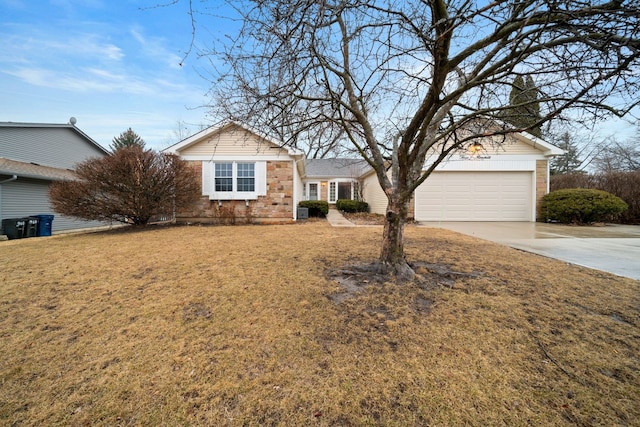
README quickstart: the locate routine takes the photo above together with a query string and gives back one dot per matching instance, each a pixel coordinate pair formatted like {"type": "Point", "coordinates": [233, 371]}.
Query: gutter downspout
{"type": "Point", "coordinates": [13, 178]}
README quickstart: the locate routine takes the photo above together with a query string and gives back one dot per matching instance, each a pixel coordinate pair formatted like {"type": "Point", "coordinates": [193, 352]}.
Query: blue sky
{"type": "Point", "coordinates": [111, 64]}
{"type": "Point", "coordinates": [115, 64]}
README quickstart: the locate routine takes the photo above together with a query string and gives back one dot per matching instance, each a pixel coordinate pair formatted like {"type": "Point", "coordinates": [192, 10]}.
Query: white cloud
{"type": "Point", "coordinates": [91, 80]}
{"type": "Point", "coordinates": [50, 46]}
{"type": "Point", "coordinates": [108, 74]}
{"type": "Point", "coordinates": [112, 52]}
{"type": "Point", "coordinates": [154, 48]}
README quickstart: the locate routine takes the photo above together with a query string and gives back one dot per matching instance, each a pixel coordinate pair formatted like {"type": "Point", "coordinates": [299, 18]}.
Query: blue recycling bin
{"type": "Point", "coordinates": [44, 225]}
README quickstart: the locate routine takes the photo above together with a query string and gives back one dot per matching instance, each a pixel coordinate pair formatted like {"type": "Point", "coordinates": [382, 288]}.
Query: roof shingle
{"type": "Point", "coordinates": [335, 168]}
{"type": "Point", "coordinates": [34, 171]}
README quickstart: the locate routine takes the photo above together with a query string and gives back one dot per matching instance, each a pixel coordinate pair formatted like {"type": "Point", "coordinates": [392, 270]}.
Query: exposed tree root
{"type": "Point", "coordinates": [354, 278]}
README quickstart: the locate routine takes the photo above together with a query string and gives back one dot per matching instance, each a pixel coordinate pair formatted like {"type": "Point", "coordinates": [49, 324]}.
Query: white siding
{"type": "Point", "coordinates": [373, 194]}
{"type": "Point", "coordinates": [510, 145]}
{"type": "Point", "coordinates": [233, 142]}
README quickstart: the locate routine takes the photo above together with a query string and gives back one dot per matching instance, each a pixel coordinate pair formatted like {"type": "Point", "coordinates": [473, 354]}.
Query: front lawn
{"type": "Point", "coordinates": [241, 326]}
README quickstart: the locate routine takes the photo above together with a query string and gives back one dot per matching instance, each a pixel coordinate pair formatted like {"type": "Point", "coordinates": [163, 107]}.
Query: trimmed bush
{"type": "Point", "coordinates": [317, 208]}
{"type": "Point", "coordinates": [625, 185]}
{"type": "Point", "coordinates": [581, 206]}
{"type": "Point", "coordinates": [346, 205]}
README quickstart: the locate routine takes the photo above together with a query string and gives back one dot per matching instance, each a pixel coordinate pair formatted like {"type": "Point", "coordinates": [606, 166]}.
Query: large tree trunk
{"type": "Point", "coordinates": [392, 259]}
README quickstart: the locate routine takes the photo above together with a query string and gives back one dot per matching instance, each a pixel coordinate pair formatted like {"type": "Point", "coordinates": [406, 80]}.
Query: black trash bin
{"type": "Point", "coordinates": [14, 228]}
{"type": "Point", "coordinates": [31, 227]}
{"type": "Point", "coordinates": [44, 225]}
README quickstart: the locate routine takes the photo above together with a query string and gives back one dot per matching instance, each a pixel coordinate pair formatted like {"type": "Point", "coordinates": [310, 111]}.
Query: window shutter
{"type": "Point", "coordinates": [261, 178]}
{"type": "Point", "coordinates": [207, 178]}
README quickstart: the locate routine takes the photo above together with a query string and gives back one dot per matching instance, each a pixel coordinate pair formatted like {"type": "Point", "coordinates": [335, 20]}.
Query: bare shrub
{"type": "Point", "coordinates": [225, 215]}
{"type": "Point", "coordinates": [131, 186]}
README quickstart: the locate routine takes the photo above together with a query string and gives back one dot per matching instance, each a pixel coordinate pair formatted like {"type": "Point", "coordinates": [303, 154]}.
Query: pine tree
{"type": "Point", "coordinates": [127, 138]}
{"type": "Point", "coordinates": [570, 161]}
{"type": "Point", "coordinates": [525, 108]}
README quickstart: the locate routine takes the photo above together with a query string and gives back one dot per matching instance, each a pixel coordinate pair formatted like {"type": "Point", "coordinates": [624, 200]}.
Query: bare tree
{"type": "Point", "coordinates": [183, 130]}
{"type": "Point", "coordinates": [619, 156]}
{"type": "Point", "coordinates": [408, 82]}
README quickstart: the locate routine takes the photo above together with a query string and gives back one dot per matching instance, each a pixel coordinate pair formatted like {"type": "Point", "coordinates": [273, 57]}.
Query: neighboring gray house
{"type": "Point", "coordinates": [32, 155]}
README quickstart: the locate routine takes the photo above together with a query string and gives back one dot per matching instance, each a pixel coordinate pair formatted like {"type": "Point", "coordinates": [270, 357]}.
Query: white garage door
{"type": "Point", "coordinates": [475, 196]}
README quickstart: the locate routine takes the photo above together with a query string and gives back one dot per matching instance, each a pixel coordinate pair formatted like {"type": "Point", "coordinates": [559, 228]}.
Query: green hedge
{"type": "Point", "coordinates": [317, 208]}
{"type": "Point", "coordinates": [625, 185]}
{"type": "Point", "coordinates": [581, 206]}
{"type": "Point", "coordinates": [346, 205]}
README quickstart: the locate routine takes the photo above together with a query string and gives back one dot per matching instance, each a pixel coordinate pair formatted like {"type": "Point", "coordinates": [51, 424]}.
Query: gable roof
{"type": "Point", "coordinates": [547, 148]}
{"type": "Point", "coordinates": [56, 126]}
{"type": "Point", "coordinates": [335, 168]}
{"type": "Point", "coordinates": [212, 130]}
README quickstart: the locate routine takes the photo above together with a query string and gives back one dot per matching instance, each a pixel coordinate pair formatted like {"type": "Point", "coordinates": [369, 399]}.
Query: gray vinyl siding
{"type": "Point", "coordinates": [56, 147]}
{"type": "Point", "coordinates": [26, 197]}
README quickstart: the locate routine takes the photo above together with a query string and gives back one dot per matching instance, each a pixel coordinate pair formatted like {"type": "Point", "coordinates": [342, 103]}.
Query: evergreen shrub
{"type": "Point", "coordinates": [352, 206]}
{"type": "Point", "coordinates": [317, 208]}
{"type": "Point", "coordinates": [581, 206]}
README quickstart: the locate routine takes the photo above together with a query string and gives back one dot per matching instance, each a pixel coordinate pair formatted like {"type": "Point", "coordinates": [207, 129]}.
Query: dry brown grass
{"type": "Point", "coordinates": [234, 326]}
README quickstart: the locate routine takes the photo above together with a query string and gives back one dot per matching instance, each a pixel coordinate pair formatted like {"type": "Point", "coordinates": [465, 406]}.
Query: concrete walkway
{"type": "Point", "coordinates": [336, 219]}
{"type": "Point", "coordinates": [612, 248]}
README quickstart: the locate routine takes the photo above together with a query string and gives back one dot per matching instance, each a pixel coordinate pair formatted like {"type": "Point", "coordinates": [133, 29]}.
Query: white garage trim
{"type": "Point", "coordinates": [489, 163]}
{"type": "Point", "coordinates": [476, 196]}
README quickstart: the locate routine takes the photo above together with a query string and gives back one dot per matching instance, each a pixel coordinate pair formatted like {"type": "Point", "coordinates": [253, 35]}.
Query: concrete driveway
{"type": "Point", "coordinates": [612, 248]}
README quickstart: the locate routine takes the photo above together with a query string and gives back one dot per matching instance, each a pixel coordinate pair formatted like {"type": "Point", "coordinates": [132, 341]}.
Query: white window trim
{"type": "Point", "coordinates": [208, 181]}
{"type": "Point", "coordinates": [308, 187]}
{"type": "Point", "coordinates": [334, 182]}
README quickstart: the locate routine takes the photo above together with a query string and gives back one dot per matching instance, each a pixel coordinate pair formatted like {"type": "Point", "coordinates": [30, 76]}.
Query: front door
{"type": "Point", "coordinates": [314, 193]}
{"type": "Point", "coordinates": [340, 190]}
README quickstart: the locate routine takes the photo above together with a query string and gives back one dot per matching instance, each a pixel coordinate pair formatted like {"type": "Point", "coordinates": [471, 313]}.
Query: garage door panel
{"type": "Point", "coordinates": [475, 196]}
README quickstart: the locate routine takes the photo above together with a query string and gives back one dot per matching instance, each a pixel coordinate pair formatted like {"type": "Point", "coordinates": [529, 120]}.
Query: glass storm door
{"type": "Point", "coordinates": [313, 191]}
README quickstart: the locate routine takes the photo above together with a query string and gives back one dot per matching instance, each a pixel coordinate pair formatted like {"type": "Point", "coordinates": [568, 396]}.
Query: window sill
{"type": "Point", "coordinates": [234, 196]}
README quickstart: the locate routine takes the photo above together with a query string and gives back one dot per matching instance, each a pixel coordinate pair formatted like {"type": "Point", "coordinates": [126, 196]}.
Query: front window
{"type": "Point", "coordinates": [246, 177]}
{"type": "Point", "coordinates": [347, 190]}
{"type": "Point", "coordinates": [224, 177]}
{"type": "Point", "coordinates": [234, 180]}
{"type": "Point", "coordinates": [344, 190]}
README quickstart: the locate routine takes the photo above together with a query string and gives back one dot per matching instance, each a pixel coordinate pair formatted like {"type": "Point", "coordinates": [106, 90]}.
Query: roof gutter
{"type": "Point", "coordinates": [13, 178]}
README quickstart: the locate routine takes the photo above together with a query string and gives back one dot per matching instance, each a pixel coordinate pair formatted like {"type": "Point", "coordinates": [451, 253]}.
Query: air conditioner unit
{"type": "Point", "coordinates": [303, 213]}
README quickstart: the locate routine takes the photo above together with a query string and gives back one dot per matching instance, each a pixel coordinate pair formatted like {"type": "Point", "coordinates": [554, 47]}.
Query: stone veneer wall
{"type": "Point", "coordinates": [541, 182]}
{"type": "Point", "coordinates": [276, 206]}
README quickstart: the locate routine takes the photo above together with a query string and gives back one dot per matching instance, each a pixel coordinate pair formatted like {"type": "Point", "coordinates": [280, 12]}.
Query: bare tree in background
{"type": "Point", "coordinates": [408, 82]}
{"type": "Point", "coordinates": [183, 130]}
{"type": "Point", "coordinates": [621, 156]}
